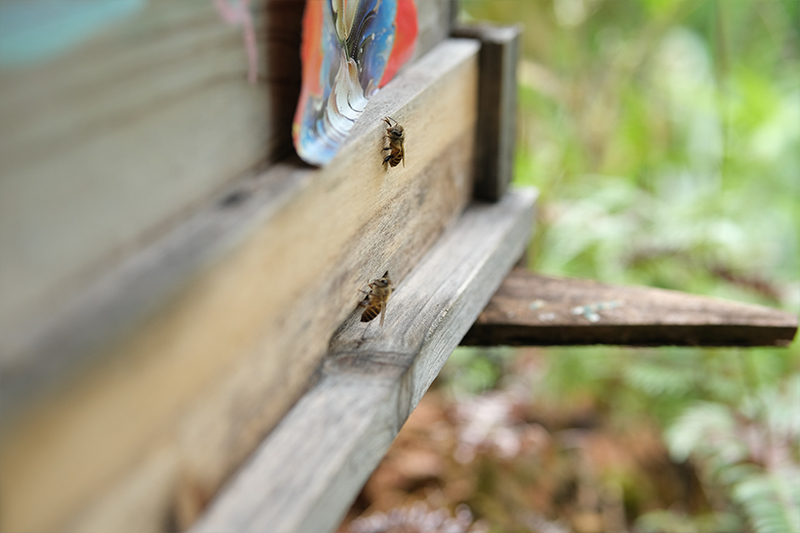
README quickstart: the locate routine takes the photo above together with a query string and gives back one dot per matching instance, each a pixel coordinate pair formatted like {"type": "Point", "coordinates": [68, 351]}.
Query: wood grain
{"type": "Point", "coordinates": [497, 117]}
{"type": "Point", "coordinates": [534, 310]}
{"type": "Point", "coordinates": [308, 471]}
{"type": "Point", "coordinates": [166, 372]}
{"type": "Point", "coordinates": [109, 145]}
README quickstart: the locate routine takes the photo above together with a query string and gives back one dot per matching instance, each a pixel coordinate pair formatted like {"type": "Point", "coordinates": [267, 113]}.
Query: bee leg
{"type": "Point", "coordinates": [387, 148]}
{"type": "Point", "coordinates": [383, 313]}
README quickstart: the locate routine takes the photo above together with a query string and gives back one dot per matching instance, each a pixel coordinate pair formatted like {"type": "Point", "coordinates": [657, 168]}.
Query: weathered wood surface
{"type": "Point", "coordinates": [435, 19]}
{"type": "Point", "coordinates": [497, 119]}
{"type": "Point", "coordinates": [108, 145]}
{"type": "Point", "coordinates": [534, 310]}
{"type": "Point", "coordinates": [180, 361]}
{"type": "Point", "coordinates": [308, 471]}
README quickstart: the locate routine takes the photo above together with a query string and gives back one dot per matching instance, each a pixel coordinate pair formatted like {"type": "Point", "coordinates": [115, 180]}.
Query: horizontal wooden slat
{"type": "Point", "coordinates": [308, 471]}
{"type": "Point", "coordinates": [534, 310]}
{"type": "Point", "coordinates": [166, 372]}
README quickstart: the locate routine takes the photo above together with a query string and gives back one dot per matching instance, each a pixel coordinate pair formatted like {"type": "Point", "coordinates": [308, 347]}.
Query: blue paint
{"type": "Point", "coordinates": [326, 121]}
{"type": "Point", "coordinates": [590, 311]}
{"type": "Point", "coordinates": [33, 31]}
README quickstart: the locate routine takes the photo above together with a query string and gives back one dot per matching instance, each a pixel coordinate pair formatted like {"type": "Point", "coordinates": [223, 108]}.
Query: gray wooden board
{"type": "Point", "coordinates": [497, 118]}
{"type": "Point", "coordinates": [307, 472]}
{"type": "Point", "coordinates": [535, 310]}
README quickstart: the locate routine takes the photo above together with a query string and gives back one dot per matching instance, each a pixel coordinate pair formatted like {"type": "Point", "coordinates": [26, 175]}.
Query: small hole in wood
{"type": "Point", "coordinates": [233, 199]}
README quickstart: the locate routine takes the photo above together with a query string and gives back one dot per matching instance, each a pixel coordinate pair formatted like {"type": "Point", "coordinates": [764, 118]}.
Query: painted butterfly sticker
{"type": "Point", "coordinates": [350, 49]}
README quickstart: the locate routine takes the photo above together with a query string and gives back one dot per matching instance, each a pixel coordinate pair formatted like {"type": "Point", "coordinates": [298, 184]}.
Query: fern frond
{"type": "Point", "coordinates": [654, 379]}
{"type": "Point", "coordinates": [706, 429]}
{"type": "Point", "coordinates": [771, 500]}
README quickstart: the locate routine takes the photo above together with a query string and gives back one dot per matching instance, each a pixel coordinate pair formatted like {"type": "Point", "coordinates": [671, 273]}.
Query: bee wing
{"type": "Point", "coordinates": [367, 296]}
{"type": "Point", "coordinates": [383, 312]}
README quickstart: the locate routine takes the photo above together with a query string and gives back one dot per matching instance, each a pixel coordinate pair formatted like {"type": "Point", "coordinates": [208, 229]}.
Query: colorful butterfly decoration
{"type": "Point", "coordinates": [350, 49]}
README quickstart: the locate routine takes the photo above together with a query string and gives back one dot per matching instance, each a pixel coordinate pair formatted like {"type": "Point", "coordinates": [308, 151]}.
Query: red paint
{"type": "Point", "coordinates": [405, 38]}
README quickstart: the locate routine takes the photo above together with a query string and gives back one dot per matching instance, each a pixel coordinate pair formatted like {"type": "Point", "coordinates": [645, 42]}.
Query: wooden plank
{"type": "Point", "coordinates": [308, 471]}
{"type": "Point", "coordinates": [108, 145]}
{"type": "Point", "coordinates": [534, 310]}
{"type": "Point", "coordinates": [435, 21]}
{"type": "Point", "coordinates": [497, 118]}
{"type": "Point", "coordinates": [168, 371]}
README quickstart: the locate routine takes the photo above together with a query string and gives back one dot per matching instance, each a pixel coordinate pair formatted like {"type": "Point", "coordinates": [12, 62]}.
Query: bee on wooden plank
{"type": "Point", "coordinates": [396, 138]}
{"type": "Point", "coordinates": [376, 298]}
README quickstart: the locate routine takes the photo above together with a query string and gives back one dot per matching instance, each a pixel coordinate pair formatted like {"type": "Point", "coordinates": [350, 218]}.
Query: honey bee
{"type": "Point", "coordinates": [376, 298]}
{"type": "Point", "coordinates": [396, 139]}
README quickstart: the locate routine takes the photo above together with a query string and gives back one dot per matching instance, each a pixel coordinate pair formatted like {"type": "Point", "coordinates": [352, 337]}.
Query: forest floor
{"type": "Point", "coordinates": [502, 461]}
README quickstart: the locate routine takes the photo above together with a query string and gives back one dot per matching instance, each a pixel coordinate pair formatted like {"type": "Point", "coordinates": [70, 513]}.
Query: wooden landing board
{"type": "Point", "coordinates": [534, 310]}
{"type": "Point", "coordinates": [308, 471]}
{"type": "Point", "coordinates": [166, 373]}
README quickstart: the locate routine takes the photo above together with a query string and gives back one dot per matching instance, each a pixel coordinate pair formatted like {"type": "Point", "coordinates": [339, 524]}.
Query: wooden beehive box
{"type": "Point", "coordinates": [172, 275]}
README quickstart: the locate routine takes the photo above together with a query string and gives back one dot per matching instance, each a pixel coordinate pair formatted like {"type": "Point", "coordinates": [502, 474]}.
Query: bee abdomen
{"type": "Point", "coordinates": [370, 313]}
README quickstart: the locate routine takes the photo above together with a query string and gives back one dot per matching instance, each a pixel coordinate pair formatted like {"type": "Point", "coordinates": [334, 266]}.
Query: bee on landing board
{"type": "Point", "coordinates": [376, 298]}
{"type": "Point", "coordinates": [396, 138]}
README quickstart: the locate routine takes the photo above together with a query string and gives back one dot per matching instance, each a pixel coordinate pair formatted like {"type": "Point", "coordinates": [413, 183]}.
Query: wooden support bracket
{"type": "Point", "coordinates": [497, 115]}
{"type": "Point", "coordinates": [307, 472]}
{"type": "Point", "coordinates": [534, 310]}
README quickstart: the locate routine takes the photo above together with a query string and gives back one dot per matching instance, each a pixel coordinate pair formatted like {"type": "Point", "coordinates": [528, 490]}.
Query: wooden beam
{"type": "Point", "coordinates": [497, 116]}
{"type": "Point", "coordinates": [534, 310]}
{"type": "Point", "coordinates": [308, 471]}
{"type": "Point", "coordinates": [167, 371]}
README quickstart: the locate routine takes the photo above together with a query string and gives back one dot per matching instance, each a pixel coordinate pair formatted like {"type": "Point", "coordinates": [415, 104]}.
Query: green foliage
{"type": "Point", "coordinates": [475, 370]}
{"type": "Point", "coordinates": [752, 449]}
{"type": "Point", "coordinates": [672, 522]}
{"type": "Point", "coordinates": [664, 136]}
{"type": "Point", "coordinates": [772, 501]}
{"type": "Point", "coordinates": [665, 139]}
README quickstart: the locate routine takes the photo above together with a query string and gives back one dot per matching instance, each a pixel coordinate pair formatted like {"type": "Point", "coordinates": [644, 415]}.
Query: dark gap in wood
{"type": "Point", "coordinates": [642, 336]}
{"type": "Point", "coordinates": [281, 40]}
{"type": "Point", "coordinates": [234, 198]}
